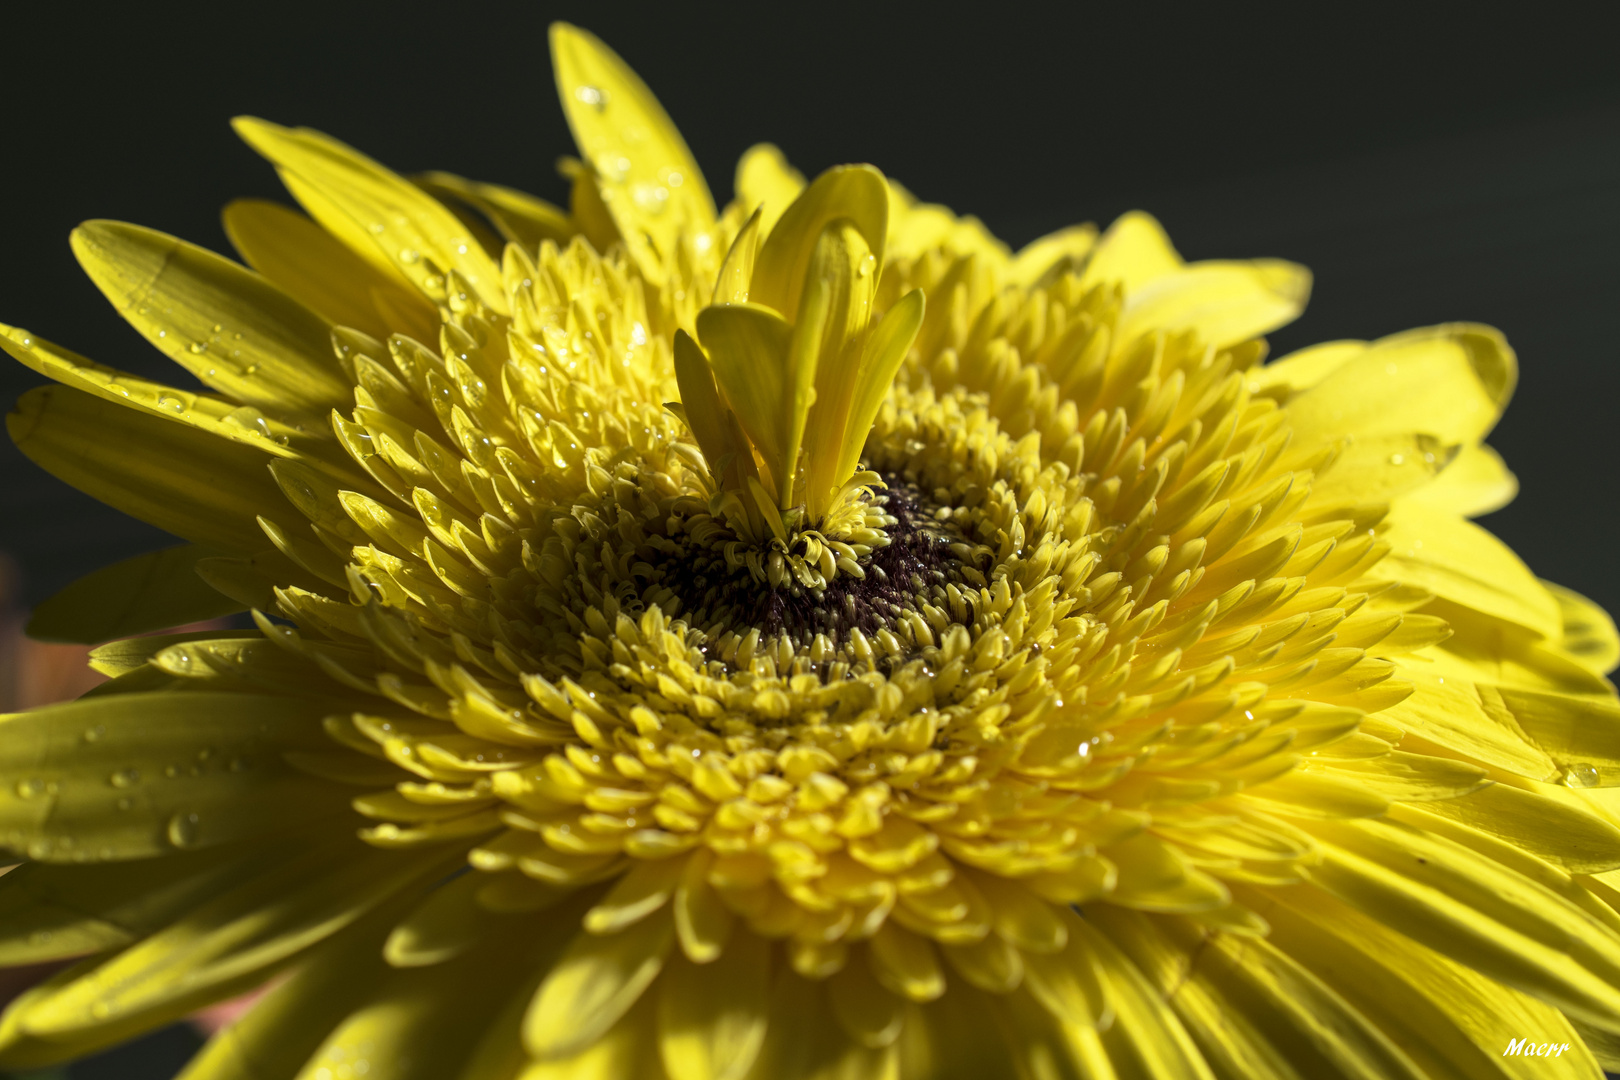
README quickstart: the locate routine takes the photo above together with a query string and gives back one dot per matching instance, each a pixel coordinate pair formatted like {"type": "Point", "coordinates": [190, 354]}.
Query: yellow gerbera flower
{"type": "Point", "coordinates": [803, 640]}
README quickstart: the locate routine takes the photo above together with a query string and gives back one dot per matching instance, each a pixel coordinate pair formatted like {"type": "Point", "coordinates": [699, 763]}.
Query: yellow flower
{"type": "Point", "coordinates": [801, 640]}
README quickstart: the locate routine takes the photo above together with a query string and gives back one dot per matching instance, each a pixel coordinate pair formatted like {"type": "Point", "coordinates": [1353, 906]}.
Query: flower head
{"type": "Point", "coordinates": [803, 639]}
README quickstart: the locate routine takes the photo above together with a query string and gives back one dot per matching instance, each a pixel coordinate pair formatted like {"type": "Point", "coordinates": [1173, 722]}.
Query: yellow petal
{"type": "Point", "coordinates": [1475, 482]}
{"type": "Point", "coordinates": [120, 776]}
{"type": "Point", "coordinates": [1461, 562]}
{"type": "Point", "coordinates": [1469, 908]}
{"type": "Point", "coordinates": [747, 346]}
{"type": "Point", "coordinates": [1146, 1039]}
{"type": "Point", "coordinates": [520, 217]}
{"type": "Point", "coordinates": [1055, 253]}
{"type": "Point", "coordinates": [1581, 734]}
{"type": "Point", "coordinates": [1287, 377]}
{"type": "Point", "coordinates": [1382, 467]}
{"type": "Point", "coordinates": [1225, 302]}
{"type": "Point", "coordinates": [887, 345]}
{"type": "Point", "coordinates": [1448, 381]}
{"type": "Point", "coordinates": [702, 920]}
{"type": "Point", "coordinates": [143, 593]}
{"type": "Point", "coordinates": [710, 419]}
{"type": "Point", "coordinates": [645, 888]}
{"type": "Point", "coordinates": [1589, 635]}
{"type": "Point", "coordinates": [50, 911]}
{"type": "Point", "coordinates": [382, 217]}
{"type": "Point", "coordinates": [712, 1017]}
{"type": "Point", "coordinates": [840, 269]}
{"type": "Point", "coordinates": [645, 175]}
{"type": "Point", "coordinates": [228, 944]}
{"type": "Point", "coordinates": [182, 480]}
{"type": "Point", "coordinates": [737, 272]}
{"type": "Point", "coordinates": [445, 925]}
{"type": "Point", "coordinates": [287, 1026]}
{"type": "Point", "coordinates": [1451, 1021]}
{"type": "Point", "coordinates": [596, 982]}
{"type": "Point", "coordinates": [856, 192]}
{"type": "Point", "coordinates": [228, 326]}
{"type": "Point", "coordinates": [1448, 711]}
{"type": "Point", "coordinates": [1254, 1010]}
{"type": "Point", "coordinates": [1132, 252]}
{"type": "Point", "coordinates": [313, 267]}
{"type": "Point", "coordinates": [1562, 831]}
{"type": "Point", "coordinates": [767, 183]}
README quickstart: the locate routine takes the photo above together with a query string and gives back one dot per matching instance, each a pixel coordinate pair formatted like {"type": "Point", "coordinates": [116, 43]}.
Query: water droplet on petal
{"type": "Point", "coordinates": [1580, 775]}
{"type": "Point", "coordinates": [593, 96]}
{"type": "Point", "coordinates": [124, 778]}
{"type": "Point", "coordinates": [30, 788]}
{"type": "Point", "coordinates": [94, 734]}
{"type": "Point", "coordinates": [183, 829]}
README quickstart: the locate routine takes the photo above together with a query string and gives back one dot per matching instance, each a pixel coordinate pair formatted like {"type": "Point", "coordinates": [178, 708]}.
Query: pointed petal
{"type": "Point", "coordinates": [1450, 1020]}
{"type": "Point", "coordinates": [521, 218]}
{"type": "Point", "coordinates": [313, 266]}
{"type": "Point", "coordinates": [886, 347]}
{"type": "Point", "coordinates": [1133, 252]}
{"type": "Point", "coordinates": [206, 412]}
{"type": "Point", "coordinates": [597, 980]}
{"type": "Point", "coordinates": [382, 217]}
{"type": "Point", "coordinates": [130, 775]}
{"type": "Point", "coordinates": [184, 481]}
{"type": "Point", "coordinates": [644, 173]}
{"type": "Point", "coordinates": [227, 946]}
{"type": "Point", "coordinates": [1475, 482]}
{"type": "Point", "coordinates": [147, 592]}
{"type": "Point", "coordinates": [767, 183]}
{"type": "Point", "coordinates": [842, 268]}
{"type": "Point", "coordinates": [1461, 562]}
{"type": "Point", "coordinates": [1225, 302]}
{"type": "Point", "coordinates": [1053, 254]}
{"type": "Point", "coordinates": [1449, 381]}
{"type": "Point", "coordinates": [228, 326]}
{"type": "Point", "coordinates": [747, 346]}
{"type": "Point", "coordinates": [737, 272]}
{"type": "Point", "coordinates": [857, 192]}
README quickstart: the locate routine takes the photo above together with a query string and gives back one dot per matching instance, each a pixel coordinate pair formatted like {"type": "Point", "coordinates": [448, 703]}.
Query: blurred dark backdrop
{"type": "Point", "coordinates": [1429, 162]}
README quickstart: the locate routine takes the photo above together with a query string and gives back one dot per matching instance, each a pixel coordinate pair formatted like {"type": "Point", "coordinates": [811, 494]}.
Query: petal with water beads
{"type": "Point", "coordinates": [643, 172]}
{"type": "Point", "coordinates": [228, 326]}
{"type": "Point", "coordinates": [131, 775]}
{"type": "Point", "coordinates": [382, 217]}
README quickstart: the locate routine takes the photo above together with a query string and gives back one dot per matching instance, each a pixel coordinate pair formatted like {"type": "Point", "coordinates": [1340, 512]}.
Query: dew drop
{"type": "Point", "coordinates": [30, 788]}
{"type": "Point", "coordinates": [198, 347]}
{"type": "Point", "coordinates": [125, 778]}
{"type": "Point", "coordinates": [94, 734]}
{"type": "Point", "coordinates": [183, 830]}
{"type": "Point", "coordinates": [594, 96]}
{"type": "Point", "coordinates": [409, 256]}
{"type": "Point", "coordinates": [1580, 775]}
{"type": "Point", "coordinates": [1397, 459]}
